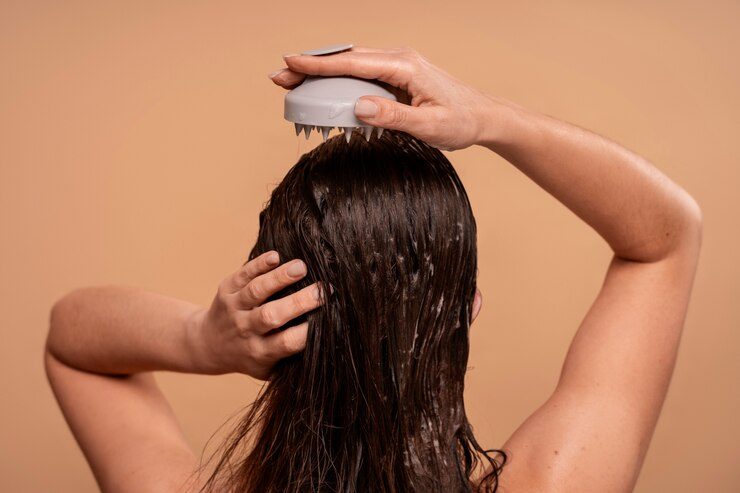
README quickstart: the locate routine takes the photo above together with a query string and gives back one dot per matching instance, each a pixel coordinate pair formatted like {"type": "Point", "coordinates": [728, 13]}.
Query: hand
{"type": "Point", "coordinates": [237, 333]}
{"type": "Point", "coordinates": [443, 111]}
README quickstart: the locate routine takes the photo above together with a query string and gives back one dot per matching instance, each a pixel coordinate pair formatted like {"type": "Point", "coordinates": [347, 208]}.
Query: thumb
{"type": "Point", "coordinates": [382, 112]}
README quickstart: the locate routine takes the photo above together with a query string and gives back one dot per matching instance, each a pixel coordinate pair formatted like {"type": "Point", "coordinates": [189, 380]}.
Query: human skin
{"type": "Point", "coordinates": [593, 432]}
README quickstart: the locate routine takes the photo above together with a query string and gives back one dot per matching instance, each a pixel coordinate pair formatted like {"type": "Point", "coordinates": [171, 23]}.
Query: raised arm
{"type": "Point", "coordinates": [103, 340]}
{"type": "Point", "coordinates": [593, 432]}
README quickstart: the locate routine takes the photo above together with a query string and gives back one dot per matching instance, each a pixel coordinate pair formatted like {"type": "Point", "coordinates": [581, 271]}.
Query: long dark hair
{"type": "Point", "coordinates": [375, 402]}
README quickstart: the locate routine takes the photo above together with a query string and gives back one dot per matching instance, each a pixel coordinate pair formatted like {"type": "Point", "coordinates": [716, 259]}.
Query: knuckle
{"type": "Point", "coordinates": [256, 350]}
{"type": "Point", "coordinates": [286, 342]}
{"type": "Point", "coordinates": [242, 274]}
{"type": "Point", "coordinates": [410, 56]}
{"type": "Point", "coordinates": [253, 291]}
{"type": "Point", "coordinates": [274, 351]}
{"type": "Point", "coordinates": [263, 263]}
{"type": "Point", "coordinates": [268, 317]}
{"type": "Point", "coordinates": [404, 68]}
{"type": "Point", "coordinates": [397, 117]}
{"type": "Point", "coordinates": [294, 341]}
{"type": "Point", "coordinates": [222, 290]}
{"type": "Point", "coordinates": [434, 126]}
{"type": "Point", "coordinates": [282, 278]}
{"type": "Point", "coordinates": [349, 65]}
{"type": "Point", "coordinates": [241, 323]}
{"type": "Point", "coordinates": [321, 67]}
{"type": "Point", "coordinates": [300, 304]}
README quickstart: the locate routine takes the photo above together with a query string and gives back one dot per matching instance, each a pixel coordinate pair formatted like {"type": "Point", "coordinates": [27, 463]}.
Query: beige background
{"type": "Point", "coordinates": [138, 141]}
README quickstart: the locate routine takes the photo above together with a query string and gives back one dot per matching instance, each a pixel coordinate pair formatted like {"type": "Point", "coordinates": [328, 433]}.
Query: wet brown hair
{"type": "Point", "coordinates": [375, 401]}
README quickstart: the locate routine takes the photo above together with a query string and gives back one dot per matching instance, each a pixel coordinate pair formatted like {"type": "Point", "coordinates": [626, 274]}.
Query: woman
{"type": "Point", "coordinates": [590, 435]}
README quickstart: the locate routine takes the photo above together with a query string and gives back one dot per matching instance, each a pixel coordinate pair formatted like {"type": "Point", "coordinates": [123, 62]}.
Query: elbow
{"type": "Point", "coordinates": [677, 234]}
{"type": "Point", "coordinates": [60, 319]}
{"type": "Point", "coordinates": [57, 317]}
{"type": "Point", "coordinates": [693, 225]}
{"type": "Point", "coordinates": [685, 236]}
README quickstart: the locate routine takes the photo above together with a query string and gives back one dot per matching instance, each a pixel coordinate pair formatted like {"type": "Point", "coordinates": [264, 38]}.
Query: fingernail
{"type": "Point", "coordinates": [272, 258]}
{"type": "Point", "coordinates": [275, 73]}
{"type": "Point", "coordinates": [288, 55]}
{"type": "Point", "coordinates": [365, 108]}
{"type": "Point", "coordinates": [316, 293]}
{"type": "Point", "coordinates": [297, 269]}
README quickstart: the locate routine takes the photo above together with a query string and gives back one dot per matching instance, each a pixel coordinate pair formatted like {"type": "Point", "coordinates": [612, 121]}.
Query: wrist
{"type": "Point", "coordinates": [502, 123]}
{"type": "Point", "coordinates": [198, 347]}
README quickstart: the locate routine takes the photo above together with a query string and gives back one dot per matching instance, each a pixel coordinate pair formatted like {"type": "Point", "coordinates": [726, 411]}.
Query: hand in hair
{"type": "Point", "coordinates": [241, 333]}
{"type": "Point", "coordinates": [443, 111]}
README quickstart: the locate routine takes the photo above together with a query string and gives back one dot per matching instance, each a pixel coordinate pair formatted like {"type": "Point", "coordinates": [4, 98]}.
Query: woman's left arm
{"type": "Point", "coordinates": [103, 342]}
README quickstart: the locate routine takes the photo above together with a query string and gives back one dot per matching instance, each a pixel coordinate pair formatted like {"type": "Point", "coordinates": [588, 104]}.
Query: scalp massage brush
{"type": "Point", "coordinates": [325, 103]}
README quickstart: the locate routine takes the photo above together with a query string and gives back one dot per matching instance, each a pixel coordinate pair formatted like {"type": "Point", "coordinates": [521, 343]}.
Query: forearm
{"type": "Point", "coordinates": [118, 330]}
{"type": "Point", "coordinates": [642, 214]}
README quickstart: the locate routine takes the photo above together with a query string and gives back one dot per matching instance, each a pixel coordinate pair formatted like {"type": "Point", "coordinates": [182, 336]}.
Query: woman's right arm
{"type": "Point", "coordinates": [593, 432]}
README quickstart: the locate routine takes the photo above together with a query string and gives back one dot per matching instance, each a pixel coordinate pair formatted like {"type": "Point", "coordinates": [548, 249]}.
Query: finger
{"type": "Point", "coordinates": [384, 113]}
{"type": "Point", "coordinates": [255, 267]}
{"type": "Point", "coordinates": [279, 312]}
{"type": "Point", "coordinates": [262, 287]}
{"type": "Point", "coordinates": [387, 67]}
{"type": "Point", "coordinates": [289, 79]}
{"type": "Point", "coordinates": [286, 342]}
{"type": "Point", "coordinates": [286, 78]}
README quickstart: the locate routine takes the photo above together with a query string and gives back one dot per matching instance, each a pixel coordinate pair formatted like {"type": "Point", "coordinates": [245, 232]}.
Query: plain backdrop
{"type": "Point", "coordinates": [140, 139]}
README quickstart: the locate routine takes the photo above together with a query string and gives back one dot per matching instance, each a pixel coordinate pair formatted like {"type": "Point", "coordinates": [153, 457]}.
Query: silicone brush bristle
{"type": "Point", "coordinates": [367, 132]}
